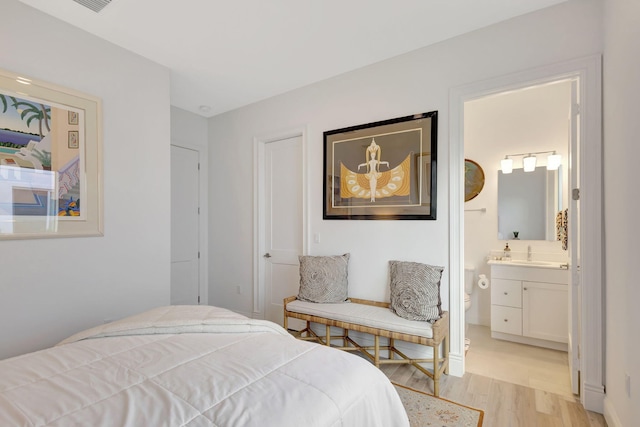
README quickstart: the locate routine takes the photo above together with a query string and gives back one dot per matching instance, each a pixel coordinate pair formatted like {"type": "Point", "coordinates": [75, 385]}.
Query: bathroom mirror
{"type": "Point", "coordinates": [528, 203]}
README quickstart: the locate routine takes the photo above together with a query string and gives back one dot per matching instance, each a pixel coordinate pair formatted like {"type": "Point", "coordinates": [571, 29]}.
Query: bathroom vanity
{"type": "Point", "coordinates": [529, 302]}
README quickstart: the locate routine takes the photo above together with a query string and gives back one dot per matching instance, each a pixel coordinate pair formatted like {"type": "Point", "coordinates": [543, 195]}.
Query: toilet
{"type": "Point", "coordinates": [469, 278]}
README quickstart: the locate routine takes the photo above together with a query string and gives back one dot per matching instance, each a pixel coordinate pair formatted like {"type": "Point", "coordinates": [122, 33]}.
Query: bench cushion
{"type": "Point", "coordinates": [365, 315]}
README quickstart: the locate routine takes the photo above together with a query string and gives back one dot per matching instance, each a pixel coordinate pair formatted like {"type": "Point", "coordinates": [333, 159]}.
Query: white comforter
{"type": "Point", "coordinates": [194, 366]}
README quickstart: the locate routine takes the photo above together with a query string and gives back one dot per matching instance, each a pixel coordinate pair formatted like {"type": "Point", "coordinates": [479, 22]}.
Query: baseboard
{"type": "Point", "coordinates": [560, 346]}
{"type": "Point", "coordinates": [610, 414]}
{"type": "Point", "coordinates": [456, 364]}
{"type": "Point", "coordinates": [593, 397]}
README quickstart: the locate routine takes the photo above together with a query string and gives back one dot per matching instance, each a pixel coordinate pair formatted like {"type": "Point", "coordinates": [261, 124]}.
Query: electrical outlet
{"type": "Point", "coordinates": [238, 290]}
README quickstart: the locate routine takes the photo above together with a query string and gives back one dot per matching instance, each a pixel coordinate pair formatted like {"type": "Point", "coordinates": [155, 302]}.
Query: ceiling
{"type": "Point", "coordinates": [227, 54]}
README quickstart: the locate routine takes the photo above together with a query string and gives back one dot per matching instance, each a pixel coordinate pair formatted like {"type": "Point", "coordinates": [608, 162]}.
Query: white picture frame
{"type": "Point", "coordinates": [49, 187]}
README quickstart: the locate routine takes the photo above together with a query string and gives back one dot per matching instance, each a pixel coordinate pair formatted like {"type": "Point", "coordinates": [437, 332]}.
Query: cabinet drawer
{"type": "Point", "coordinates": [506, 292]}
{"type": "Point", "coordinates": [507, 320]}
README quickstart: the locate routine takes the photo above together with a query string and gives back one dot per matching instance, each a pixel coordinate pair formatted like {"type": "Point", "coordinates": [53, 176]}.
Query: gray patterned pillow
{"type": "Point", "coordinates": [323, 278]}
{"type": "Point", "coordinates": [415, 290]}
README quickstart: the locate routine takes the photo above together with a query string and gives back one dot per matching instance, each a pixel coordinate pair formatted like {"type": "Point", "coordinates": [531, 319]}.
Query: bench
{"type": "Point", "coordinates": [375, 318]}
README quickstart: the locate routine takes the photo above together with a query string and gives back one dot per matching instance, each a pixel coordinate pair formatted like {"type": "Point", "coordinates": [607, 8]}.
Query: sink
{"type": "Point", "coordinates": [525, 263]}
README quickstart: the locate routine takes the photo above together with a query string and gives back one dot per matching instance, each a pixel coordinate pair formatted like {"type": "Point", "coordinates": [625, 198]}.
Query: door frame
{"type": "Point", "coordinates": [588, 70]}
{"type": "Point", "coordinates": [203, 240]}
{"type": "Point", "coordinates": [259, 143]}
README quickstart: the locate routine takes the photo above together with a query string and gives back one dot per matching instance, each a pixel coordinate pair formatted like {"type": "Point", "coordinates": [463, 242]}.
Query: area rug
{"type": "Point", "coordinates": [426, 410]}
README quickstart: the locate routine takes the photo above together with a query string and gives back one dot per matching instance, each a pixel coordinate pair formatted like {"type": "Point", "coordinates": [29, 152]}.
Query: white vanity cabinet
{"type": "Point", "coordinates": [506, 306]}
{"type": "Point", "coordinates": [530, 305]}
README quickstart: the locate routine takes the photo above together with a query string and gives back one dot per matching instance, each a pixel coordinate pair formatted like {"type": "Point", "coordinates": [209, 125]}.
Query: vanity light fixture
{"type": "Point", "coordinates": [553, 161]}
{"type": "Point", "coordinates": [529, 161]}
{"type": "Point", "coordinates": [506, 165]}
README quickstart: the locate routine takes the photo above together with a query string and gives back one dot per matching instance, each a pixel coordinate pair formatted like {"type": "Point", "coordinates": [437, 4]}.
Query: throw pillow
{"type": "Point", "coordinates": [323, 279]}
{"type": "Point", "coordinates": [415, 290]}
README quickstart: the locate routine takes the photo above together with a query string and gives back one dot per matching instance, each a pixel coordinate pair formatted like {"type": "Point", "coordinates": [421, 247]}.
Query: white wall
{"type": "Point", "coordinates": [622, 204]}
{"type": "Point", "coordinates": [190, 130]}
{"type": "Point", "coordinates": [523, 121]}
{"type": "Point", "coordinates": [52, 288]}
{"type": "Point", "coordinates": [416, 82]}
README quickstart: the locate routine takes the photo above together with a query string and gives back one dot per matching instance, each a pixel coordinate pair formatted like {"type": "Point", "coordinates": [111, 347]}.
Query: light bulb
{"type": "Point", "coordinates": [506, 165]}
{"type": "Point", "coordinates": [529, 163]}
{"type": "Point", "coordinates": [554, 161]}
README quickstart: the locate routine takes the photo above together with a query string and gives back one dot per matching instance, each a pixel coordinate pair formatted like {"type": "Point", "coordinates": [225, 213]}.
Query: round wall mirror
{"type": "Point", "coordinates": [473, 179]}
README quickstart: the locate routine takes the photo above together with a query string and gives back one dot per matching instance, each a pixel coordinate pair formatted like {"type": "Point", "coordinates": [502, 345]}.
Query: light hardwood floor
{"type": "Point", "coordinates": [535, 367]}
{"type": "Point", "coordinates": [515, 385]}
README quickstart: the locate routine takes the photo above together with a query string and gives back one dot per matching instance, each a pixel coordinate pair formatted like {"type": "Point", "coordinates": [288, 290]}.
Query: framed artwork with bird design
{"type": "Point", "coordinates": [382, 170]}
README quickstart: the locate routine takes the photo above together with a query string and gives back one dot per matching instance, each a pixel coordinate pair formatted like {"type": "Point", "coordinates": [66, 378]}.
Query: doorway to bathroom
{"type": "Point", "coordinates": [578, 141]}
{"type": "Point", "coordinates": [518, 209]}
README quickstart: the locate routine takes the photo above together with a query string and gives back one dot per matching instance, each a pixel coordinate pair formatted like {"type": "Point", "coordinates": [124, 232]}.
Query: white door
{"type": "Point", "coordinates": [573, 224]}
{"type": "Point", "coordinates": [185, 263]}
{"type": "Point", "coordinates": [283, 223]}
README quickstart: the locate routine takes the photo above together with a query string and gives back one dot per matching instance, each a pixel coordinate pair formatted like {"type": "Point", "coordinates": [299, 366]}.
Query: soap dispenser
{"type": "Point", "coordinates": [507, 252]}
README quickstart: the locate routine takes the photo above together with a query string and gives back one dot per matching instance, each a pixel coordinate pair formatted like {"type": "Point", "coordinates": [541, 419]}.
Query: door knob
{"type": "Point", "coordinates": [267, 255]}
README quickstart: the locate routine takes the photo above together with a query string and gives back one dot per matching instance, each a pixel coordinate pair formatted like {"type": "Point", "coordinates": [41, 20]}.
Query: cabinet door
{"type": "Point", "coordinates": [544, 311]}
{"type": "Point", "coordinates": [506, 292]}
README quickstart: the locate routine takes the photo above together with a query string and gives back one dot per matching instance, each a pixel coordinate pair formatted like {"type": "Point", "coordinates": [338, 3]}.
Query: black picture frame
{"type": "Point", "coordinates": [397, 157]}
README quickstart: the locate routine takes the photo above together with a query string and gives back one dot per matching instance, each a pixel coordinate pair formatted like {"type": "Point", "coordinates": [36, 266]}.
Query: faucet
{"type": "Point", "coordinates": [529, 257]}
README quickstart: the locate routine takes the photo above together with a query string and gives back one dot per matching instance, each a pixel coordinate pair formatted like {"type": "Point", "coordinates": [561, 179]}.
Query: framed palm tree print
{"type": "Point", "coordinates": [50, 160]}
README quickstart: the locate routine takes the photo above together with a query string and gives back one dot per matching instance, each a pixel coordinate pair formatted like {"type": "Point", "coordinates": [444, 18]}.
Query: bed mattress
{"type": "Point", "coordinates": [194, 366]}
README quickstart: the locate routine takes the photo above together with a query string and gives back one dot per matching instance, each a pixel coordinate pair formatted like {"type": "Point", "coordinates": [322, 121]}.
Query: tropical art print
{"type": "Point", "coordinates": [35, 152]}
{"type": "Point", "coordinates": [50, 160]}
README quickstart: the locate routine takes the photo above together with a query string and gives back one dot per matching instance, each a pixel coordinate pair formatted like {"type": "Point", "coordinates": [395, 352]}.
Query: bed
{"type": "Point", "coordinates": [194, 366]}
